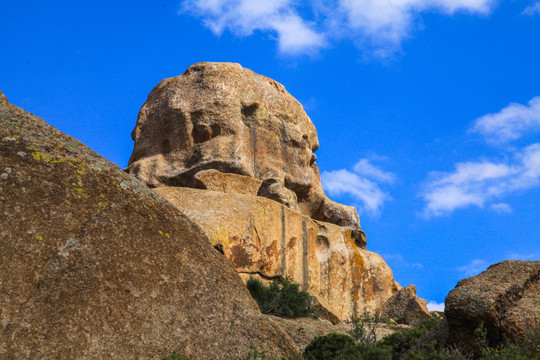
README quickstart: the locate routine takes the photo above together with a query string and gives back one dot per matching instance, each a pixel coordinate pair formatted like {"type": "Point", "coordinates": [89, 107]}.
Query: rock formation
{"type": "Point", "coordinates": [505, 297]}
{"type": "Point", "coordinates": [224, 117]}
{"type": "Point", "coordinates": [405, 307]}
{"type": "Point", "coordinates": [262, 237]}
{"type": "Point", "coordinates": [94, 265]}
{"type": "Point", "coordinates": [234, 151]}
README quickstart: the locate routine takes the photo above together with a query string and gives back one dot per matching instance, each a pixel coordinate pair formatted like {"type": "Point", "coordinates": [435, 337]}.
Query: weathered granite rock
{"type": "Point", "coordinates": [228, 183]}
{"type": "Point", "coordinates": [505, 297]}
{"type": "Point", "coordinates": [405, 307]}
{"type": "Point", "coordinates": [225, 117]}
{"type": "Point", "coordinates": [437, 336]}
{"type": "Point", "coordinates": [262, 237]}
{"type": "Point", "coordinates": [94, 265]}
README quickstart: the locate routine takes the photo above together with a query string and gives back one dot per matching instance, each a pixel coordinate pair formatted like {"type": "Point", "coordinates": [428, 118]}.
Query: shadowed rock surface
{"type": "Point", "coordinates": [93, 264]}
{"type": "Point", "coordinates": [405, 307]}
{"type": "Point", "coordinates": [505, 297]}
{"type": "Point", "coordinates": [222, 116]}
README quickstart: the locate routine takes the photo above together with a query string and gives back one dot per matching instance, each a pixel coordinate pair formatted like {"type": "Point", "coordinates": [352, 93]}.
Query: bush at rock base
{"type": "Point", "coordinates": [281, 298]}
{"type": "Point", "coordinates": [401, 345]}
{"type": "Point", "coordinates": [332, 346]}
{"type": "Point", "coordinates": [529, 349]}
{"type": "Point", "coordinates": [404, 344]}
{"type": "Point", "coordinates": [364, 328]}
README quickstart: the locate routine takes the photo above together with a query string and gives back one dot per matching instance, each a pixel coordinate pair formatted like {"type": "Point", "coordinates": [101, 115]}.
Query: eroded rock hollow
{"type": "Point", "coordinates": [235, 152]}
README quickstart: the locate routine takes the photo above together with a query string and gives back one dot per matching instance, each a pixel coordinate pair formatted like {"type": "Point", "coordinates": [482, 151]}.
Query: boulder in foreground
{"type": "Point", "coordinates": [505, 298]}
{"type": "Point", "coordinates": [93, 264]}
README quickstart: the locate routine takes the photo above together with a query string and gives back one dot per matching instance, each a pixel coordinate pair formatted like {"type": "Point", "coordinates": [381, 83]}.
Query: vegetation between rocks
{"type": "Point", "coordinates": [403, 344]}
{"type": "Point", "coordinates": [281, 298]}
{"type": "Point", "coordinates": [406, 344]}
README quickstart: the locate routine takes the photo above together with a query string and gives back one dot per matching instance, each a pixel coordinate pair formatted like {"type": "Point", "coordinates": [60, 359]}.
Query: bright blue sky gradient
{"type": "Point", "coordinates": [395, 90]}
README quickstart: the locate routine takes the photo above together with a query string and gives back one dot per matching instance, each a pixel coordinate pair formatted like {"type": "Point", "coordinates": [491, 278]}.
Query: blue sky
{"type": "Point", "coordinates": [428, 111]}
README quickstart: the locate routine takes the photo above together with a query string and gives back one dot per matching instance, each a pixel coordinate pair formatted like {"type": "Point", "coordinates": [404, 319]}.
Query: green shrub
{"type": "Point", "coordinates": [364, 328]}
{"type": "Point", "coordinates": [529, 349]}
{"type": "Point", "coordinates": [174, 356]}
{"type": "Point", "coordinates": [403, 340]}
{"type": "Point", "coordinates": [332, 346]}
{"type": "Point", "coordinates": [254, 354]}
{"type": "Point", "coordinates": [283, 298]}
{"type": "Point", "coordinates": [374, 352]}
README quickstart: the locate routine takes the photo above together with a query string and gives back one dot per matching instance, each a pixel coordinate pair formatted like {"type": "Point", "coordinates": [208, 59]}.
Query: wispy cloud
{"type": "Point", "coordinates": [399, 260]}
{"type": "Point", "coordinates": [485, 182]}
{"type": "Point", "coordinates": [363, 184]}
{"type": "Point", "coordinates": [302, 27]}
{"type": "Point", "coordinates": [388, 22]}
{"type": "Point", "coordinates": [479, 183]}
{"type": "Point", "coordinates": [517, 256]}
{"type": "Point", "coordinates": [435, 306]}
{"type": "Point", "coordinates": [501, 208]}
{"type": "Point", "coordinates": [473, 268]}
{"type": "Point", "coordinates": [365, 168]}
{"type": "Point", "coordinates": [510, 123]}
{"type": "Point", "coordinates": [532, 10]}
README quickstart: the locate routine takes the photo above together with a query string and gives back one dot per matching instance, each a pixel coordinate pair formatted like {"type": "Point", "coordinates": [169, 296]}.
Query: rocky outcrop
{"type": "Point", "coordinates": [222, 116]}
{"type": "Point", "coordinates": [234, 151]}
{"type": "Point", "coordinates": [262, 237]}
{"type": "Point", "coordinates": [405, 307]}
{"type": "Point", "coordinates": [505, 298]}
{"type": "Point", "coordinates": [95, 265]}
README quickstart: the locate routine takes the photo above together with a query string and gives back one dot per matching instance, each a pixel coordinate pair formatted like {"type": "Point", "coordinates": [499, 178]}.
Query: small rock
{"type": "Point", "coordinates": [405, 307]}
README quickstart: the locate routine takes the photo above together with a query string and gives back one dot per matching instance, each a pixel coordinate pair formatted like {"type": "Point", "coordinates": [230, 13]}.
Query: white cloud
{"type": "Point", "coordinates": [435, 306]}
{"type": "Point", "coordinates": [478, 183]}
{"type": "Point", "coordinates": [243, 17]}
{"type": "Point", "coordinates": [470, 184]}
{"type": "Point", "coordinates": [383, 23]}
{"type": "Point", "coordinates": [365, 168]}
{"type": "Point", "coordinates": [389, 21]}
{"type": "Point", "coordinates": [473, 268]}
{"type": "Point", "coordinates": [510, 123]}
{"type": "Point", "coordinates": [532, 10]}
{"type": "Point", "coordinates": [361, 184]}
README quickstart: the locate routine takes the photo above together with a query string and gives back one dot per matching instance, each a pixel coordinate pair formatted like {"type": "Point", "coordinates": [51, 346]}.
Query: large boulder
{"type": "Point", "coordinates": [264, 238]}
{"type": "Point", "coordinates": [222, 116]}
{"type": "Point", "coordinates": [95, 265]}
{"type": "Point", "coordinates": [505, 298]}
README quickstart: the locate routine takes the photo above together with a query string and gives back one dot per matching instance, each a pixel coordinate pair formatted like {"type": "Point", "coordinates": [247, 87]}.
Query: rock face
{"type": "Point", "coordinates": [405, 307]}
{"type": "Point", "coordinates": [505, 297]}
{"type": "Point", "coordinates": [93, 264]}
{"type": "Point", "coordinates": [262, 237]}
{"type": "Point", "coordinates": [224, 117]}
{"type": "Point", "coordinates": [234, 151]}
